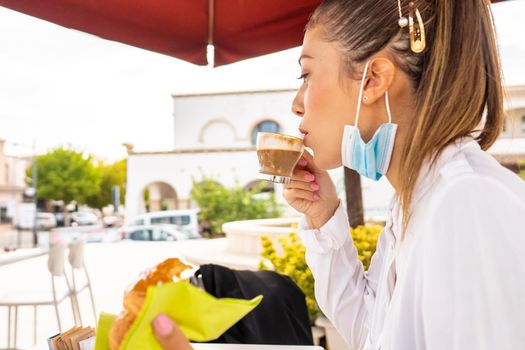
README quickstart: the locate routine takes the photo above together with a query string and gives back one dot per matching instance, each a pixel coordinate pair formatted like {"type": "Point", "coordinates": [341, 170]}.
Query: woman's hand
{"type": "Point", "coordinates": [311, 192]}
{"type": "Point", "coordinates": [168, 334]}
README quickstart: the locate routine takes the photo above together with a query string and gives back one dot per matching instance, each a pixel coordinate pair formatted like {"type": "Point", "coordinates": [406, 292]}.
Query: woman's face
{"type": "Point", "coordinates": [326, 101]}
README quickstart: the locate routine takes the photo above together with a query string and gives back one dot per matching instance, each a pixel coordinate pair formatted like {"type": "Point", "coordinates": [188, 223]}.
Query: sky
{"type": "Point", "coordinates": [63, 87]}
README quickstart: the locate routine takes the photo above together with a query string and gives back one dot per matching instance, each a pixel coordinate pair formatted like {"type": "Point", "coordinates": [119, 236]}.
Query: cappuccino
{"type": "Point", "coordinates": [277, 161]}
{"type": "Point", "coordinates": [278, 154]}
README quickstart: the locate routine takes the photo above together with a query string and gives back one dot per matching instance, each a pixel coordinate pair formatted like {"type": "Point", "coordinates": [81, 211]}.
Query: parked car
{"type": "Point", "coordinates": [152, 233]}
{"type": "Point", "coordinates": [45, 221]}
{"type": "Point", "coordinates": [111, 221]}
{"type": "Point", "coordinates": [83, 218]}
{"type": "Point", "coordinates": [106, 235]}
{"type": "Point", "coordinates": [183, 220]}
{"type": "Point", "coordinates": [60, 218]}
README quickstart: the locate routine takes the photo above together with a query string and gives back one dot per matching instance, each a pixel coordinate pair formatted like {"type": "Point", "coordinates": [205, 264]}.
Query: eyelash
{"type": "Point", "coordinates": [303, 76]}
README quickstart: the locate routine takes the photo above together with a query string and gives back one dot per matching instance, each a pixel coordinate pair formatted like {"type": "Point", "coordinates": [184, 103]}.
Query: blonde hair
{"type": "Point", "coordinates": [456, 81]}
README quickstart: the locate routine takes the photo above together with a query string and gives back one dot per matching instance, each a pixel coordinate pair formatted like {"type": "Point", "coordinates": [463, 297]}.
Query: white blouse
{"type": "Point", "coordinates": [457, 280]}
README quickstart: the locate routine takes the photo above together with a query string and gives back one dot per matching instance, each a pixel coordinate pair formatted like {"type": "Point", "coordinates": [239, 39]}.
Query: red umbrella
{"type": "Point", "coordinates": [238, 29]}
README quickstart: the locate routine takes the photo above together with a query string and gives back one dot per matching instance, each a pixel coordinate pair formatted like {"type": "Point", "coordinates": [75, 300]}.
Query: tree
{"type": "Point", "coordinates": [111, 175]}
{"type": "Point", "coordinates": [219, 204]}
{"type": "Point", "coordinates": [65, 174]}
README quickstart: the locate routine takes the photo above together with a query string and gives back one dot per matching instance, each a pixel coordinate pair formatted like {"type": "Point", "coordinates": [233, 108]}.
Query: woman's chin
{"type": "Point", "coordinates": [326, 164]}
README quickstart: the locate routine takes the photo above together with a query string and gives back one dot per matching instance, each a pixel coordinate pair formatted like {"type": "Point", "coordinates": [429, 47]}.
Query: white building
{"type": "Point", "coordinates": [214, 136]}
{"type": "Point", "coordinates": [512, 139]}
{"type": "Point", "coordinates": [12, 184]}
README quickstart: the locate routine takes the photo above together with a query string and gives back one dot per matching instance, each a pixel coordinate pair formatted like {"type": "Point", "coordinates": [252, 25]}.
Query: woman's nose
{"type": "Point", "coordinates": [298, 104]}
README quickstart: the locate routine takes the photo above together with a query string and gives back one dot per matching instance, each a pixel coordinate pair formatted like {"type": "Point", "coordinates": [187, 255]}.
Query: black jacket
{"type": "Point", "coordinates": [281, 318]}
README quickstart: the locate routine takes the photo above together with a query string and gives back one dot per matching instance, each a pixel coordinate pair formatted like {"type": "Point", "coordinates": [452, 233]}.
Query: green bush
{"type": "Point", "coordinates": [219, 204]}
{"type": "Point", "coordinates": [522, 169]}
{"type": "Point", "coordinates": [365, 240]}
{"type": "Point", "coordinates": [292, 260]}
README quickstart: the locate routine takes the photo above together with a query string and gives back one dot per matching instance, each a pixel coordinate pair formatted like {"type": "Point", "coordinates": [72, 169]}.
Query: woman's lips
{"type": "Point", "coordinates": [305, 140]}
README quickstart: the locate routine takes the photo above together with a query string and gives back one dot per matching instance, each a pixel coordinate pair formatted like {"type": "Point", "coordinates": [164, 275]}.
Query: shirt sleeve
{"type": "Point", "coordinates": [344, 292]}
{"type": "Point", "coordinates": [473, 269]}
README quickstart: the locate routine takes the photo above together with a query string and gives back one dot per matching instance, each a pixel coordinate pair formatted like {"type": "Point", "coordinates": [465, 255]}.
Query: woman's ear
{"type": "Point", "coordinates": [379, 78]}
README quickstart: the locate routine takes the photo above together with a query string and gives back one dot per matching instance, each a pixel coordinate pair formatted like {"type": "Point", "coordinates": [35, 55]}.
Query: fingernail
{"type": "Point", "coordinates": [314, 186]}
{"type": "Point", "coordinates": [316, 197]}
{"type": "Point", "coordinates": [303, 162]}
{"type": "Point", "coordinates": [162, 325]}
{"type": "Point", "coordinates": [309, 177]}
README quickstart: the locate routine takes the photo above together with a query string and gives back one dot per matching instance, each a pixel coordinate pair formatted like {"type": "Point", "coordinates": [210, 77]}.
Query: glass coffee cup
{"type": "Point", "coordinates": [278, 154]}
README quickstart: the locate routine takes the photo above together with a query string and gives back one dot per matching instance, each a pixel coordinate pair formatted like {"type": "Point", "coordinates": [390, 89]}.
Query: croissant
{"type": "Point", "coordinates": [134, 297]}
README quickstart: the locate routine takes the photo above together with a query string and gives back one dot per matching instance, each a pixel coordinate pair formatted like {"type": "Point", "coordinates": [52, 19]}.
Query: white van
{"type": "Point", "coordinates": [185, 220]}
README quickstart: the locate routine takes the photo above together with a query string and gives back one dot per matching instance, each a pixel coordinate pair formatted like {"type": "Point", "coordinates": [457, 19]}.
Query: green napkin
{"type": "Point", "coordinates": [105, 321]}
{"type": "Point", "coordinates": [200, 315]}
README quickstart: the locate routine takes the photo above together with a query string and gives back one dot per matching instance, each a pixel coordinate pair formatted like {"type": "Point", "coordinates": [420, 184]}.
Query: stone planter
{"type": "Point", "coordinates": [242, 246]}
{"type": "Point", "coordinates": [334, 341]}
{"type": "Point", "coordinates": [317, 334]}
{"type": "Point", "coordinates": [244, 237]}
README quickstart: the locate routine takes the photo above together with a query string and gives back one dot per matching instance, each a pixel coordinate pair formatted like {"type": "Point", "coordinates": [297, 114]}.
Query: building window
{"type": "Point", "coordinates": [265, 126]}
{"type": "Point", "coordinates": [523, 124]}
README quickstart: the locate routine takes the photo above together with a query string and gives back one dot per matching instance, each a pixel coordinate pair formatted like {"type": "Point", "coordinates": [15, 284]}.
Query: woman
{"type": "Point", "coordinates": [449, 269]}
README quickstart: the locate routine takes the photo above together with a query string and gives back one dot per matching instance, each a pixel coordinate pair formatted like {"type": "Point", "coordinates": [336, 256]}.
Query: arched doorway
{"type": "Point", "coordinates": [160, 196]}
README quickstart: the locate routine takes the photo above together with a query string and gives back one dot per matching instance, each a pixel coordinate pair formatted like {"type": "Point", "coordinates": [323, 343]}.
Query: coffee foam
{"type": "Point", "coordinates": [283, 142]}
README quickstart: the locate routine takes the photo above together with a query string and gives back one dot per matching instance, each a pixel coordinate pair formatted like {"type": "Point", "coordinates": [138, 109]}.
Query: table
{"type": "Point", "coordinates": [43, 346]}
{"type": "Point", "coordinates": [252, 347]}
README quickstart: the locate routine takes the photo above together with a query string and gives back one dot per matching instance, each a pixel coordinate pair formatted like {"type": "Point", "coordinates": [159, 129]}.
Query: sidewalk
{"type": "Point", "coordinates": [9, 237]}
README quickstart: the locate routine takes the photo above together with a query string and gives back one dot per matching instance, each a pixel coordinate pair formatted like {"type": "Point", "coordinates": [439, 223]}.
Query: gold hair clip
{"type": "Point", "coordinates": [417, 33]}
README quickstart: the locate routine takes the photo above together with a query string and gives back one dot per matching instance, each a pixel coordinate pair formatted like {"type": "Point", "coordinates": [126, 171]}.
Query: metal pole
{"type": "Point", "coordinates": [35, 197]}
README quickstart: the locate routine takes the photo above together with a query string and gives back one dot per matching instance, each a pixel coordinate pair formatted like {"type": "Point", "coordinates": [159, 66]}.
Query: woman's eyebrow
{"type": "Point", "coordinates": [303, 56]}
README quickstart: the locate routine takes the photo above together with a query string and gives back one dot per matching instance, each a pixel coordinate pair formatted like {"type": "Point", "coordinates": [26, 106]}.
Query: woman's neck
{"type": "Point", "coordinates": [392, 173]}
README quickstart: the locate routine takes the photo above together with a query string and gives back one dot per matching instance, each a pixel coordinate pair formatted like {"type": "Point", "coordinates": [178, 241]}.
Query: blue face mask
{"type": "Point", "coordinates": [370, 159]}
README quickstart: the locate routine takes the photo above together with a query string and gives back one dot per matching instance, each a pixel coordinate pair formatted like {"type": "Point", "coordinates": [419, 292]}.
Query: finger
{"type": "Point", "coordinates": [295, 193]}
{"type": "Point", "coordinates": [308, 186]}
{"type": "Point", "coordinates": [309, 160]}
{"type": "Point", "coordinates": [302, 162]}
{"type": "Point", "coordinates": [169, 334]}
{"type": "Point", "coordinates": [303, 175]}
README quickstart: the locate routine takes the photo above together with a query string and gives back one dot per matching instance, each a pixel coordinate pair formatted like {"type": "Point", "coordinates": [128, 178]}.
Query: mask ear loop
{"type": "Point", "coordinates": [361, 98]}
{"type": "Point", "coordinates": [388, 108]}
{"type": "Point", "coordinates": [360, 95]}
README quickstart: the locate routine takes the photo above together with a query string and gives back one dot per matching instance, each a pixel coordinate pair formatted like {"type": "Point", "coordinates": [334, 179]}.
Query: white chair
{"type": "Point", "coordinates": [34, 297]}
{"type": "Point", "coordinates": [76, 260]}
